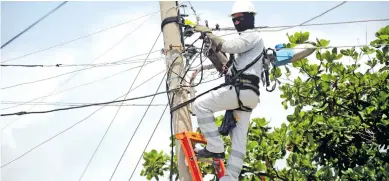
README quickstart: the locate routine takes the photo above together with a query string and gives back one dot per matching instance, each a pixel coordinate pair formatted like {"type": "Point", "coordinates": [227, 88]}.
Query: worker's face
{"type": "Point", "coordinates": [236, 18]}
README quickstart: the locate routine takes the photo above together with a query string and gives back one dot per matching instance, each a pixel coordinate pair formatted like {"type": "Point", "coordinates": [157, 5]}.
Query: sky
{"type": "Point", "coordinates": [65, 157]}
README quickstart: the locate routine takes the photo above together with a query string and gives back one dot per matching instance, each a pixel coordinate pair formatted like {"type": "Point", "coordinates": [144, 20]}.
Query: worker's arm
{"type": "Point", "coordinates": [238, 45]}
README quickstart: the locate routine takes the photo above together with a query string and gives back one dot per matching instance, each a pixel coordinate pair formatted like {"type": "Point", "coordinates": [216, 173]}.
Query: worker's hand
{"type": "Point", "coordinates": [203, 29]}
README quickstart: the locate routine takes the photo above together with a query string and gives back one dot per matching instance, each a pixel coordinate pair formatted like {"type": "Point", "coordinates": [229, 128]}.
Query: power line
{"type": "Point", "coordinates": [70, 104]}
{"type": "Point", "coordinates": [90, 62]}
{"type": "Point", "coordinates": [129, 90]}
{"type": "Point", "coordinates": [78, 69]}
{"type": "Point", "coordinates": [148, 142]}
{"type": "Point", "coordinates": [88, 105]}
{"type": "Point", "coordinates": [74, 104]}
{"type": "Point", "coordinates": [313, 24]}
{"type": "Point", "coordinates": [36, 22]}
{"type": "Point", "coordinates": [81, 85]}
{"type": "Point", "coordinates": [136, 129]}
{"type": "Point", "coordinates": [79, 38]}
{"type": "Point", "coordinates": [325, 12]}
{"type": "Point", "coordinates": [304, 23]}
{"type": "Point", "coordinates": [69, 127]}
{"type": "Point", "coordinates": [340, 46]}
{"type": "Point", "coordinates": [330, 23]}
{"type": "Point", "coordinates": [51, 94]}
{"type": "Point", "coordinates": [82, 37]}
{"type": "Point", "coordinates": [59, 65]}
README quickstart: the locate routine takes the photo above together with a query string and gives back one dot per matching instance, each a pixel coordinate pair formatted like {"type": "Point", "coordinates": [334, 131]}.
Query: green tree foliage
{"type": "Point", "coordinates": [339, 129]}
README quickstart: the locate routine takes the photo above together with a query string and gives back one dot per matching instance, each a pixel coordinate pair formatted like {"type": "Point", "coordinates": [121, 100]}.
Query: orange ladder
{"type": "Point", "coordinates": [187, 139]}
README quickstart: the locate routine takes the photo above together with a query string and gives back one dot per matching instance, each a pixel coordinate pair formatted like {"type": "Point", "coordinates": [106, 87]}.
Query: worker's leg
{"type": "Point", "coordinates": [238, 149]}
{"type": "Point", "coordinates": [204, 107]}
{"type": "Point", "coordinates": [239, 138]}
{"type": "Point", "coordinates": [221, 99]}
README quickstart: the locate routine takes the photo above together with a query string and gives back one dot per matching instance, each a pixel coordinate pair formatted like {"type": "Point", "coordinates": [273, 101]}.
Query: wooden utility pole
{"type": "Point", "coordinates": [173, 48]}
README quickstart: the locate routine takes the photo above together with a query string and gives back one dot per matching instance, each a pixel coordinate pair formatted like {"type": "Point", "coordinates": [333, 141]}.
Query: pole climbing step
{"type": "Point", "coordinates": [187, 139]}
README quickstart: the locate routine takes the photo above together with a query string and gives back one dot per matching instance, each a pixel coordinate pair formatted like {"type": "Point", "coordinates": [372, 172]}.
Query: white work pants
{"type": "Point", "coordinates": [219, 100]}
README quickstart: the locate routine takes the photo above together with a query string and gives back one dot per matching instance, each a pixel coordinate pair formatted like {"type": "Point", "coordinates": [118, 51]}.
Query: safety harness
{"type": "Point", "coordinates": [241, 82]}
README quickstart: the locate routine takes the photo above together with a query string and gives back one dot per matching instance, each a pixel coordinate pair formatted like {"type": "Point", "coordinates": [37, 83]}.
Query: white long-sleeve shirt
{"type": "Point", "coordinates": [246, 48]}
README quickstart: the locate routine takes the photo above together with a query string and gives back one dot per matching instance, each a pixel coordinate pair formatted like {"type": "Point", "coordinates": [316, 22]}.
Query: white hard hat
{"type": "Point", "coordinates": [241, 6]}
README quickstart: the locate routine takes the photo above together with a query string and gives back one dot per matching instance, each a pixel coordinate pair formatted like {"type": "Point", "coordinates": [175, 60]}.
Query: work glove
{"type": "Point", "coordinates": [215, 39]}
{"type": "Point", "coordinates": [202, 29]}
{"type": "Point", "coordinates": [218, 41]}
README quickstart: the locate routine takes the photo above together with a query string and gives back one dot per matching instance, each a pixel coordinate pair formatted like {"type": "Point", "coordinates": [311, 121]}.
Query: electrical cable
{"type": "Point", "coordinates": [82, 37]}
{"type": "Point", "coordinates": [315, 24]}
{"type": "Point", "coordinates": [137, 127]}
{"type": "Point", "coordinates": [73, 75]}
{"type": "Point", "coordinates": [32, 25]}
{"type": "Point", "coordinates": [19, 103]}
{"type": "Point", "coordinates": [72, 125]}
{"type": "Point", "coordinates": [88, 105]}
{"type": "Point", "coordinates": [73, 104]}
{"type": "Point", "coordinates": [148, 142]}
{"type": "Point", "coordinates": [92, 105]}
{"type": "Point", "coordinates": [129, 90]}
{"type": "Point", "coordinates": [81, 85]}
{"type": "Point", "coordinates": [78, 69]}
{"type": "Point", "coordinates": [325, 12]}
{"type": "Point", "coordinates": [60, 65]}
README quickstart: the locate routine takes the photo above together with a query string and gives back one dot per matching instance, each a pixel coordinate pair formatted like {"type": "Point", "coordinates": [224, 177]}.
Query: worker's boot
{"type": "Point", "coordinates": [204, 153]}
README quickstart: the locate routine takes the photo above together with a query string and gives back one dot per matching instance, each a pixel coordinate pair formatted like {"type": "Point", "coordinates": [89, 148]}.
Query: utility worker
{"type": "Point", "coordinates": [248, 46]}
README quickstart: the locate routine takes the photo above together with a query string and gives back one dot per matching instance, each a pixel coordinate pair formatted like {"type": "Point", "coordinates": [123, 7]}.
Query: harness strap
{"type": "Point", "coordinates": [242, 81]}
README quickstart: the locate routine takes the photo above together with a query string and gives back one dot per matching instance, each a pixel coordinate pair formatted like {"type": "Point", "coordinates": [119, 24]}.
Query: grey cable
{"type": "Point", "coordinates": [69, 127]}
{"type": "Point", "coordinates": [129, 90]}
{"type": "Point", "coordinates": [32, 25]}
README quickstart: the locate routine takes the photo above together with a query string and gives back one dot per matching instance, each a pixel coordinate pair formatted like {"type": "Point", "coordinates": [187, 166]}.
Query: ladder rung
{"type": "Point", "coordinates": [186, 139]}
{"type": "Point", "coordinates": [193, 136]}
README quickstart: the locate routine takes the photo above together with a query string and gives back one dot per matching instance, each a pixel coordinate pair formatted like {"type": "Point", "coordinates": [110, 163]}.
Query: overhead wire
{"type": "Point", "coordinates": [31, 82]}
{"type": "Point", "coordinates": [148, 142]}
{"type": "Point", "coordinates": [137, 127]}
{"type": "Point", "coordinates": [315, 24]}
{"type": "Point", "coordinates": [98, 146]}
{"type": "Point", "coordinates": [81, 85]}
{"type": "Point", "coordinates": [32, 25]}
{"type": "Point", "coordinates": [74, 104]}
{"type": "Point", "coordinates": [73, 75]}
{"type": "Point", "coordinates": [82, 37]}
{"type": "Point", "coordinates": [83, 106]}
{"type": "Point", "coordinates": [60, 65]}
{"type": "Point", "coordinates": [313, 18]}
{"type": "Point", "coordinates": [67, 129]}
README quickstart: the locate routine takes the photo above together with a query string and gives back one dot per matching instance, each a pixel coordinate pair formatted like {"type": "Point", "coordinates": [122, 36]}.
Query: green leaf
{"type": "Point", "coordinates": [384, 69]}
{"type": "Point", "coordinates": [278, 72]}
{"type": "Point", "coordinates": [319, 56]}
{"type": "Point", "coordinates": [287, 71]}
{"type": "Point", "coordinates": [291, 118]}
{"type": "Point", "coordinates": [294, 157]}
{"type": "Point", "coordinates": [384, 37]}
{"type": "Point", "coordinates": [324, 43]}
{"type": "Point", "coordinates": [334, 50]}
{"type": "Point", "coordinates": [305, 36]}
{"type": "Point", "coordinates": [339, 56]}
{"type": "Point", "coordinates": [345, 52]}
{"type": "Point", "coordinates": [285, 104]}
